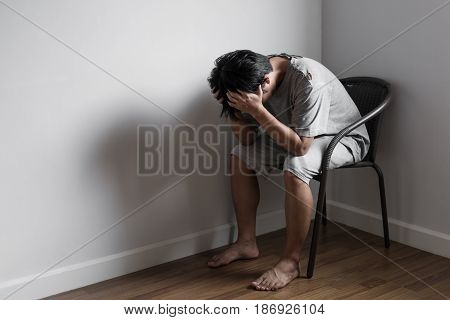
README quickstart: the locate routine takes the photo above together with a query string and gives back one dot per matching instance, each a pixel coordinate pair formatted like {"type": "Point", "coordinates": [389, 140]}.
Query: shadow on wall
{"type": "Point", "coordinates": [398, 187]}
{"type": "Point", "coordinates": [197, 203]}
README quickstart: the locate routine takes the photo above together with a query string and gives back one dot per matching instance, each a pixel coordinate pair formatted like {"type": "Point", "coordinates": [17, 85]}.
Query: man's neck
{"type": "Point", "coordinates": [279, 67]}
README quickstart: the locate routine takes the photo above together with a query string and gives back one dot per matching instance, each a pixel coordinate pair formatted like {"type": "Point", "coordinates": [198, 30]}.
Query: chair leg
{"type": "Point", "coordinates": [387, 241]}
{"type": "Point", "coordinates": [316, 227]}
{"type": "Point", "coordinates": [324, 211]}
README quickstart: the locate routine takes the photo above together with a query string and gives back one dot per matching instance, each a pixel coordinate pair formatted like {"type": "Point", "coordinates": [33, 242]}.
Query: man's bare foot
{"type": "Point", "coordinates": [238, 250]}
{"type": "Point", "coordinates": [279, 276]}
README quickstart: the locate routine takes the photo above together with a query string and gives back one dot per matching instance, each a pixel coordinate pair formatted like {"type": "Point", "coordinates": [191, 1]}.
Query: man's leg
{"type": "Point", "coordinates": [298, 204]}
{"type": "Point", "coordinates": [245, 192]}
{"type": "Point", "coordinates": [298, 171]}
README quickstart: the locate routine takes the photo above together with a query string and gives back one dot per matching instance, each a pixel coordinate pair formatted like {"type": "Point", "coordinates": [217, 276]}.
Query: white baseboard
{"type": "Point", "coordinates": [82, 274]}
{"type": "Point", "coordinates": [405, 233]}
{"type": "Point", "coordinates": [104, 268]}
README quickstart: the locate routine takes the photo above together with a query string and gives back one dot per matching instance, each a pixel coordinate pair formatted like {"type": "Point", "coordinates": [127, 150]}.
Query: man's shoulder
{"type": "Point", "coordinates": [312, 70]}
{"type": "Point", "coordinates": [300, 68]}
{"type": "Point", "coordinates": [300, 77]}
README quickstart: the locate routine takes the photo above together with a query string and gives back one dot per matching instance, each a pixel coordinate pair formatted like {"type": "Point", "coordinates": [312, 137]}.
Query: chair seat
{"type": "Point", "coordinates": [361, 164]}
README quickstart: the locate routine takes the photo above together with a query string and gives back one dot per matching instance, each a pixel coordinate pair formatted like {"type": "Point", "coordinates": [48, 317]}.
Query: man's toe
{"type": "Point", "coordinates": [263, 288]}
{"type": "Point", "coordinates": [258, 281]}
{"type": "Point", "coordinates": [212, 260]}
{"type": "Point", "coordinates": [218, 261]}
{"type": "Point", "coordinates": [265, 283]}
{"type": "Point", "coordinates": [271, 285]}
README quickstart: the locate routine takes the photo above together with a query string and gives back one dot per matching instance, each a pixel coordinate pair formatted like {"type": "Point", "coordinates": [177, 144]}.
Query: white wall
{"type": "Point", "coordinates": [413, 151]}
{"type": "Point", "coordinates": [68, 130]}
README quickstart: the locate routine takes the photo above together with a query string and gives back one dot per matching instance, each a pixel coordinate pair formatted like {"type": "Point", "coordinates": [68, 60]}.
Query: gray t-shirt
{"type": "Point", "coordinates": [313, 102]}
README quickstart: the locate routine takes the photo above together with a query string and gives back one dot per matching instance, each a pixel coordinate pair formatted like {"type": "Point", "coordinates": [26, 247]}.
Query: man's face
{"type": "Point", "coordinates": [268, 87]}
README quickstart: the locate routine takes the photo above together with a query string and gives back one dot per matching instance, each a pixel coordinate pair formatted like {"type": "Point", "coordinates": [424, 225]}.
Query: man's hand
{"type": "Point", "coordinates": [237, 113]}
{"type": "Point", "coordinates": [246, 101]}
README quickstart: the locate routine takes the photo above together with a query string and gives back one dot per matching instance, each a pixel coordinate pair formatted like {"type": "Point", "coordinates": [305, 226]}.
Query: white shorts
{"type": "Point", "coordinates": [264, 155]}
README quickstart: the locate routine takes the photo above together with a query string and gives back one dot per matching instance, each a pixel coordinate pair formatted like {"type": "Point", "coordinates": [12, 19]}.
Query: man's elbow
{"type": "Point", "coordinates": [301, 147]}
{"type": "Point", "coordinates": [246, 142]}
{"type": "Point", "coordinates": [301, 150]}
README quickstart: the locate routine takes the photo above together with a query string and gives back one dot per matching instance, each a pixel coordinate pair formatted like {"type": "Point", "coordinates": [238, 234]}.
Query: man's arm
{"type": "Point", "coordinates": [243, 130]}
{"type": "Point", "coordinates": [282, 134]}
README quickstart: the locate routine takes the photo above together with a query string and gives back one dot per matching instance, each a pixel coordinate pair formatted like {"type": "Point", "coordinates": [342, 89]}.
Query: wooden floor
{"type": "Point", "coordinates": [345, 269]}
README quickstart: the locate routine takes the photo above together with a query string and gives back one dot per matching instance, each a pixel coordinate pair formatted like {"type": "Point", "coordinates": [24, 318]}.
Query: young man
{"type": "Point", "coordinates": [284, 110]}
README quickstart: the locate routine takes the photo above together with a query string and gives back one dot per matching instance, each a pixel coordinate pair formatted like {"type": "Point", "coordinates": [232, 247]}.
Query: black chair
{"type": "Point", "coordinates": [371, 96]}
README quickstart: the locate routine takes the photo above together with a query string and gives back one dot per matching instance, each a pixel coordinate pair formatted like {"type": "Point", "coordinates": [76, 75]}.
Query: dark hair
{"type": "Point", "coordinates": [238, 70]}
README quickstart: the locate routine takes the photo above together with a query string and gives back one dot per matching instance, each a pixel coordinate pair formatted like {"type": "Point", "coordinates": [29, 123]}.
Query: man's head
{"type": "Point", "coordinates": [241, 70]}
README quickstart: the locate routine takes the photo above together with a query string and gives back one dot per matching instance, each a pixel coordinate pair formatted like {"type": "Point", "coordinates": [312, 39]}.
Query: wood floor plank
{"type": "Point", "coordinates": [346, 268]}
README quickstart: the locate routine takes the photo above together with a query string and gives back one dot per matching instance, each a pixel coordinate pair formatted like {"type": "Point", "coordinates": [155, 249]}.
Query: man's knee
{"type": "Point", "coordinates": [303, 167]}
{"type": "Point", "coordinates": [238, 165]}
{"type": "Point", "coordinates": [292, 181]}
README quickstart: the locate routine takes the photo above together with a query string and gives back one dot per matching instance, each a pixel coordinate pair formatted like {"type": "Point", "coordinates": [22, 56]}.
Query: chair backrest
{"type": "Point", "coordinates": [369, 94]}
